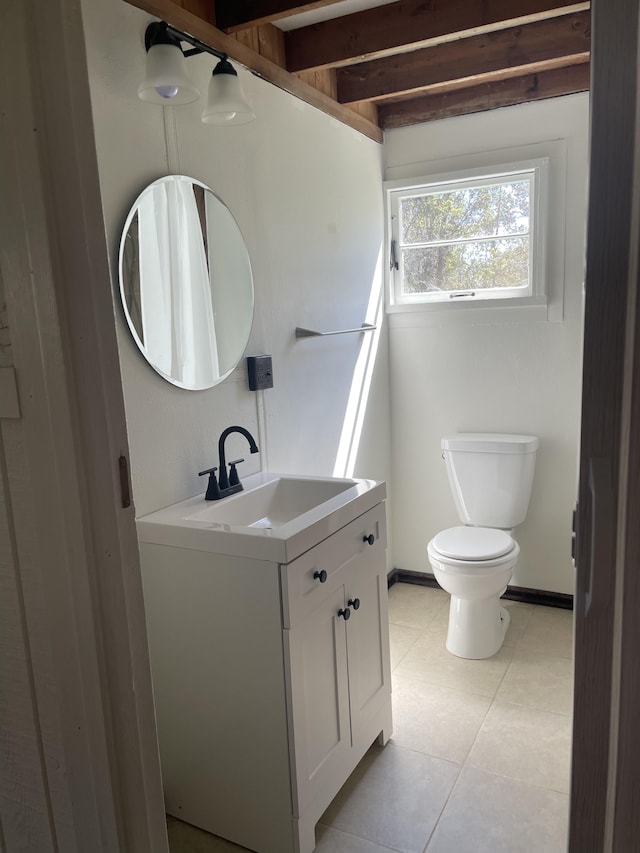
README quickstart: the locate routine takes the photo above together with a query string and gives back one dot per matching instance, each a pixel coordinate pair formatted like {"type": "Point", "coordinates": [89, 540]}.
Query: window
{"type": "Point", "coordinates": [469, 238]}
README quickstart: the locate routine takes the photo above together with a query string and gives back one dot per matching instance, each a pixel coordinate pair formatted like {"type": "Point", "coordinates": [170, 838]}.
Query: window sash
{"type": "Point", "coordinates": [531, 172]}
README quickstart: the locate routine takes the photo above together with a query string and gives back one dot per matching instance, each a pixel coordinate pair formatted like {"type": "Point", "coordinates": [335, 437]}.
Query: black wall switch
{"type": "Point", "coordinates": [259, 372]}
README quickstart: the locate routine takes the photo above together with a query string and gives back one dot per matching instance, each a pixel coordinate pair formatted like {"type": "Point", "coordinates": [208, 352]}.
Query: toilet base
{"type": "Point", "coordinates": [477, 627]}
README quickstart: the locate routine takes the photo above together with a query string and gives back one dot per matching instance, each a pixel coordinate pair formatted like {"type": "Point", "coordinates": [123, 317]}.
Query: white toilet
{"type": "Point", "coordinates": [491, 477]}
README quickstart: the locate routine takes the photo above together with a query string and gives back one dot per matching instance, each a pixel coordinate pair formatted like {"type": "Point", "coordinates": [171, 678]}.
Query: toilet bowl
{"type": "Point", "coordinates": [477, 623]}
{"type": "Point", "coordinates": [491, 476]}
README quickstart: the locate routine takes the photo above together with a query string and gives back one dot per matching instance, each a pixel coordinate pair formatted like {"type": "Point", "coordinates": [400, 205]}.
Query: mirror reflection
{"type": "Point", "coordinates": [186, 283]}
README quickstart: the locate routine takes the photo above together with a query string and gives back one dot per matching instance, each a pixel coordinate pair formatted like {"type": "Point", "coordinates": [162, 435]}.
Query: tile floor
{"type": "Point", "coordinates": [479, 758]}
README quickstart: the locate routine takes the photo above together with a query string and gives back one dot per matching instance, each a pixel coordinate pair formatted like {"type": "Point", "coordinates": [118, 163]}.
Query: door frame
{"type": "Point", "coordinates": [79, 765]}
{"type": "Point", "coordinates": [605, 800]}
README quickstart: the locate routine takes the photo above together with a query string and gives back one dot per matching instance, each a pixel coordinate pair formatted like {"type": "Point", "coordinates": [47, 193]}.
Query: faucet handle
{"type": "Point", "coordinates": [207, 471]}
{"type": "Point", "coordinates": [234, 480]}
{"type": "Point", "coordinates": [213, 490]}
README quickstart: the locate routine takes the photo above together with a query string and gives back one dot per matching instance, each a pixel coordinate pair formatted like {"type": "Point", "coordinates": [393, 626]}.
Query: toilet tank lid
{"type": "Point", "coordinates": [490, 442]}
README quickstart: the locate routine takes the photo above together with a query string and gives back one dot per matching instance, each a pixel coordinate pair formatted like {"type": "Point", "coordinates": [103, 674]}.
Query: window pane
{"type": "Point", "coordinates": [467, 266]}
{"type": "Point", "coordinates": [490, 211]}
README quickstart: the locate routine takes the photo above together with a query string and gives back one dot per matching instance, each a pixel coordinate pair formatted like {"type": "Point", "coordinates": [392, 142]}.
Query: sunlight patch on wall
{"type": "Point", "coordinates": [361, 383]}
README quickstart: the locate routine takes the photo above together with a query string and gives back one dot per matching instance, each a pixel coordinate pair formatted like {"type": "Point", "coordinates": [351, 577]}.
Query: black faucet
{"type": "Point", "coordinates": [227, 483]}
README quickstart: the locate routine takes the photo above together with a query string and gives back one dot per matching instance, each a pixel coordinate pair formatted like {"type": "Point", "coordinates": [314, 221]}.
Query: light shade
{"type": "Point", "coordinates": [226, 104]}
{"type": "Point", "coordinates": [166, 80]}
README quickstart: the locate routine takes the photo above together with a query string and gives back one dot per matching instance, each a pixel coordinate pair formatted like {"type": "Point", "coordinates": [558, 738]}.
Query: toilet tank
{"type": "Point", "coordinates": [491, 475]}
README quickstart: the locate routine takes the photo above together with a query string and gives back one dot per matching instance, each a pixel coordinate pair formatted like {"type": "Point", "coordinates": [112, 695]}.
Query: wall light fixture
{"type": "Point", "coordinates": [167, 82]}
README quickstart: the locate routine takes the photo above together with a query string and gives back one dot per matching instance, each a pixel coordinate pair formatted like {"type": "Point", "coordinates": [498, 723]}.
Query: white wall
{"type": "Point", "coordinates": [491, 376]}
{"type": "Point", "coordinates": [305, 191]}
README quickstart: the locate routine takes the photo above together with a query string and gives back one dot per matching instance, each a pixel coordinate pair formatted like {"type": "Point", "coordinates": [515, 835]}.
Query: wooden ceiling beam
{"type": "Point", "coordinates": [563, 40]}
{"type": "Point", "coordinates": [494, 77]}
{"type": "Point", "coordinates": [232, 15]}
{"type": "Point", "coordinates": [408, 25]}
{"type": "Point", "coordinates": [486, 96]}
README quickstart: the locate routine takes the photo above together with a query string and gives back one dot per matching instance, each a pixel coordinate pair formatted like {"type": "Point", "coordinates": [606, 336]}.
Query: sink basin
{"type": "Point", "coordinates": [271, 504]}
{"type": "Point", "coordinates": [276, 517]}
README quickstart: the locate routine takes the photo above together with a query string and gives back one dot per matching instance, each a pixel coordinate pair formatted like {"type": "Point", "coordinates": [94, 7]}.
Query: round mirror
{"type": "Point", "coordinates": [185, 282]}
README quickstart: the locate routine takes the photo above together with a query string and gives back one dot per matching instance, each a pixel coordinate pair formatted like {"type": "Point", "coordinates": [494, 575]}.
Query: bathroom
{"type": "Point", "coordinates": [373, 405]}
{"type": "Point", "coordinates": [306, 193]}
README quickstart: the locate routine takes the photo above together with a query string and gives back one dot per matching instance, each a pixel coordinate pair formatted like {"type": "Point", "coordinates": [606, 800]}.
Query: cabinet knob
{"type": "Point", "coordinates": [346, 613]}
{"type": "Point", "coordinates": [370, 539]}
{"type": "Point", "coordinates": [354, 602]}
{"type": "Point", "coordinates": [320, 576]}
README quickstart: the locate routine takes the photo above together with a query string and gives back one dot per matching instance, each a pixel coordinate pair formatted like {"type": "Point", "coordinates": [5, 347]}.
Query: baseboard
{"type": "Point", "coordinates": [513, 593]}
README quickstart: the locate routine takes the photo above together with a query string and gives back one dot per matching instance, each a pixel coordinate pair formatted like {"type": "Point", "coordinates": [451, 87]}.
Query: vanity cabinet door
{"type": "Point", "coordinates": [337, 669]}
{"type": "Point", "coordinates": [307, 579]}
{"type": "Point", "coordinates": [368, 644]}
{"type": "Point", "coordinates": [321, 734]}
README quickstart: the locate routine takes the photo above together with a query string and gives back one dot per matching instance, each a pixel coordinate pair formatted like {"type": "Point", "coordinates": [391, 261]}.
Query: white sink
{"type": "Point", "coordinates": [272, 504]}
{"type": "Point", "coordinates": [276, 517]}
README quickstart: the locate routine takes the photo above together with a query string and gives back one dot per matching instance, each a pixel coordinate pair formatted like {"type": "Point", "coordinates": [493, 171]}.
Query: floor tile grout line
{"type": "Point", "coordinates": [466, 760]}
{"type": "Point", "coordinates": [425, 754]}
{"type": "Point", "coordinates": [516, 779]}
{"type": "Point", "coordinates": [532, 707]}
{"type": "Point", "coordinates": [411, 677]}
{"type": "Point", "coordinates": [493, 699]}
{"type": "Point", "coordinates": [442, 810]}
{"type": "Point", "coordinates": [359, 837]}
{"type": "Point", "coordinates": [397, 664]}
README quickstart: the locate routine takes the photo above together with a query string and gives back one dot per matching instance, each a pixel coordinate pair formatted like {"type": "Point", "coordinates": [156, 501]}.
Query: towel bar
{"type": "Point", "coordinates": [310, 333]}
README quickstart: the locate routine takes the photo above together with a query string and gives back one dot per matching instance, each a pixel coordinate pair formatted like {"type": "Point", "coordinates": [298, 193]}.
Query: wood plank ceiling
{"type": "Point", "coordinates": [403, 62]}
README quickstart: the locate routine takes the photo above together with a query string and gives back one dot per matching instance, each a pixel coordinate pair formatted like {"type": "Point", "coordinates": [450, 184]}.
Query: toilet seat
{"type": "Point", "coordinates": [485, 550]}
{"type": "Point", "coordinates": [473, 543]}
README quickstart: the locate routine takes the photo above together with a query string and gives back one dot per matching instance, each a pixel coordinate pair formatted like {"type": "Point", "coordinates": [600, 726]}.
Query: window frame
{"type": "Point", "coordinates": [537, 295]}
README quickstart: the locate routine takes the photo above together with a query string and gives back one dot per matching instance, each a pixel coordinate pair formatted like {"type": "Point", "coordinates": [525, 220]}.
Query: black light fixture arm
{"type": "Point", "coordinates": [159, 32]}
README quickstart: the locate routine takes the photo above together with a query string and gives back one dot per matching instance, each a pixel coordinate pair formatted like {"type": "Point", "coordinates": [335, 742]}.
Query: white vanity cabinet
{"type": "Point", "coordinates": [266, 696]}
